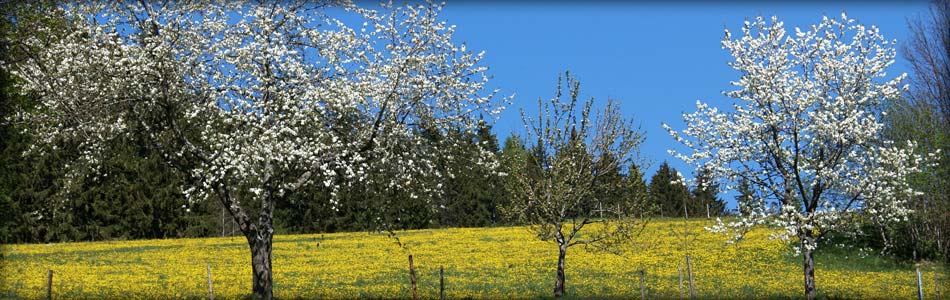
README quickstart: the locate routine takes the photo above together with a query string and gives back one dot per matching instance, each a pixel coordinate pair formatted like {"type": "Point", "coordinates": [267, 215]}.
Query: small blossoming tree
{"type": "Point", "coordinates": [804, 131]}
{"type": "Point", "coordinates": [577, 153]}
{"type": "Point", "coordinates": [256, 100]}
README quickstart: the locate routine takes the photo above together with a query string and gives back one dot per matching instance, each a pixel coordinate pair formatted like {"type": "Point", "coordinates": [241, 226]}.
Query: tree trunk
{"type": "Point", "coordinates": [261, 266]}
{"type": "Point", "coordinates": [809, 267]}
{"type": "Point", "coordinates": [224, 220]}
{"type": "Point", "coordinates": [559, 283]}
{"type": "Point", "coordinates": [259, 239]}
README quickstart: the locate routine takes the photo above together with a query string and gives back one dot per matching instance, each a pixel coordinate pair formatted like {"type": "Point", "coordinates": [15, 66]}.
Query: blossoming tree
{"type": "Point", "coordinates": [575, 152]}
{"type": "Point", "coordinates": [256, 100]}
{"type": "Point", "coordinates": [804, 131]}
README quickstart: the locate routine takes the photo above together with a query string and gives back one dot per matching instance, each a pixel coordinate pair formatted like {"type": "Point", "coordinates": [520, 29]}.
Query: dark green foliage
{"type": "Point", "coordinates": [133, 194]}
{"type": "Point", "coordinates": [705, 195]}
{"type": "Point", "coordinates": [605, 189]}
{"type": "Point", "coordinates": [668, 194]}
{"type": "Point", "coordinates": [672, 198]}
{"type": "Point", "coordinates": [360, 206]}
{"type": "Point", "coordinates": [13, 169]}
{"type": "Point", "coordinates": [513, 155]}
{"type": "Point", "coordinates": [635, 186]}
{"type": "Point", "coordinates": [26, 182]}
{"type": "Point", "coordinates": [745, 198]}
{"type": "Point", "coordinates": [471, 195]}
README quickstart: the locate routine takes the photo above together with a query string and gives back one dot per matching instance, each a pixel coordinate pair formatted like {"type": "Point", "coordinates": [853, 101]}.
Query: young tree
{"type": "Point", "coordinates": [573, 153]}
{"type": "Point", "coordinates": [805, 131]}
{"type": "Point", "coordinates": [256, 100]}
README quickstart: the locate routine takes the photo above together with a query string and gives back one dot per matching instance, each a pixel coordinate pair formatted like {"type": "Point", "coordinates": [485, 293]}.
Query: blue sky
{"type": "Point", "coordinates": [656, 59]}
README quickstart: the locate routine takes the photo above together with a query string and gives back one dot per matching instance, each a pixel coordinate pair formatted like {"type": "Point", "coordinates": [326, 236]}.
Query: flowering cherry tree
{"type": "Point", "coordinates": [256, 100]}
{"type": "Point", "coordinates": [804, 131]}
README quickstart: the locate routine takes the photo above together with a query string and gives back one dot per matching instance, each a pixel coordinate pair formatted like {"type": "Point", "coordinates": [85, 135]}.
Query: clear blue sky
{"type": "Point", "coordinates": [656, 59]}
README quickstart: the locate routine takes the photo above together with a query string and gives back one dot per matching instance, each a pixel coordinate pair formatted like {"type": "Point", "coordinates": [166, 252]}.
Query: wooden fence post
{"type": "Point", "coordinates": [920, 286]}
{"type": "Point", "coordinates": [441, 284]}
{"type": "Point", "coordinates": [689, 272]}
{"type": "Point", "coordinates": [210, 287]}
{"type": "Point", "coordinates": [49, 285]}
{"type": "Point", "coordinates": [643, 290]}
{"type": "Point", "coordinates": [412, 277]}
{"type": "Point", "coordinates": [679, 269]}
{"type": "Point", "coordinates": [936, 287]}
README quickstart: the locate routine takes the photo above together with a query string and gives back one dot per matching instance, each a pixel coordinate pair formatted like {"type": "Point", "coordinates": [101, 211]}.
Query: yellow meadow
{"type": "Point", "coordinates": [503, 262]}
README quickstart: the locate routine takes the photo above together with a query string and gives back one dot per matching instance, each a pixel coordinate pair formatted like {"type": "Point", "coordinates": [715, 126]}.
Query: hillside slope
{"type": "Point", "coordinates": [505, 262]}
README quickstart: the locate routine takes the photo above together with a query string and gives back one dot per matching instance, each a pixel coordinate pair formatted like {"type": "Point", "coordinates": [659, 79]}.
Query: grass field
{"type": "Point", "coordinates": [479, 263]}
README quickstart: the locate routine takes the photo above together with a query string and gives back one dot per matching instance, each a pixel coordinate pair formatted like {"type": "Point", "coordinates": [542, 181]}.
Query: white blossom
{"type": "Point", "coordinates": [284, 95]}
{"type": "Point", "coordinates": [804, 127]}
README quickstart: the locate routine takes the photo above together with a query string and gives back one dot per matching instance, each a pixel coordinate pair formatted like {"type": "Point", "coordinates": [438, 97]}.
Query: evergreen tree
{"type": "Point", "coordinates": [636, 188]}
{"type": "Point", "coordinates": [513, 155]}
{"type": "Point", "coordinates": [745, 198]}
{"type": "Point", "coordinates": [19, 216]}
{"type": "Point", "coordinates": [705, 196]}
{"type": "Point", "coordinates": [13, 168]}
{"type": "Point", "coordinates": [605, 189]}
{"type": "Point", "coordinates": [668, 193]}
{"type": "Point", "coordinates": [133, 194]}
{"type": "Point", "coordinates": [471, 192]}
{"type": "Point", "coordinates": [493, 187]}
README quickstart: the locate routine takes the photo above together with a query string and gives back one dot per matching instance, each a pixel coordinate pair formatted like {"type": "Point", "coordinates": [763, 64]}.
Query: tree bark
{"type": "Point", "coordinates": [809, 268]}
{"type": "Point", "coordinates": [679, 269]}
{"type": "Point", "coordinates": [559, 282]}
{"type": "Point", "coordinates": [259, 239]}
{"type": "Point", "coordinates": [261, 266]}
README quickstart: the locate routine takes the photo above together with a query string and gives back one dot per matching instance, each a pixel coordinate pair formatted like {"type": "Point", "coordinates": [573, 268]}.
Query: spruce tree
{"type": "Point", "coordinates": [705, 195]}
{"type": "Point", "coordinates": [668, 193]}
{"type": "Point", "coordinates": [744, 198]}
